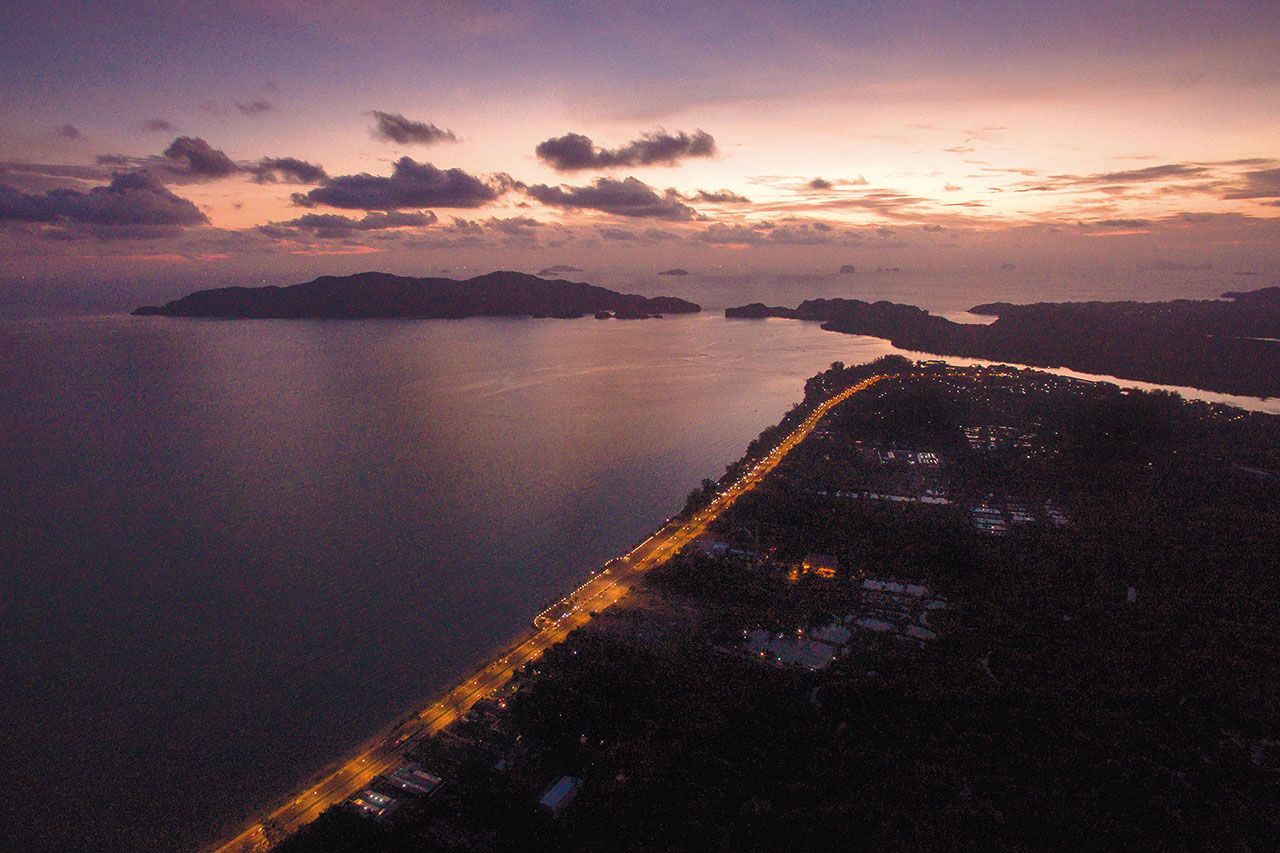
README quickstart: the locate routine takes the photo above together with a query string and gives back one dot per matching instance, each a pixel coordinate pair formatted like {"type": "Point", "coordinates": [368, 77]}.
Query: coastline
{"type": "Point", "coordinates": [381, 752]}
{"type": "Point", "coordinates": [1265, 405]}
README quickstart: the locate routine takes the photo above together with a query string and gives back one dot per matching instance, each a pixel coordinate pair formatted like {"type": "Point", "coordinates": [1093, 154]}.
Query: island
{"type": "Point", "coordinates": [1230, 345]}
{"type": "Point", "coordinates": [383, 295]}
{"type": "Point", "coordinates": [674, 271]}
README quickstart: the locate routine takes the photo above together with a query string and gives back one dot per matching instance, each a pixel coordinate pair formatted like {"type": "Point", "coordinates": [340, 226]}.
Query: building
{"type": "Point", "coordinates": [900, 608]}
{"type": "Point", "coordinates": [414, 780]}
{"type": "Point", "coordinates": [799, 649]}
{"type": "Point", "coordinates": [822, 565]}
{"type": "Point", "coordinates": [988, 519]}
{"type": "Point", "coordinates": [834, 634]}
{"type": "Point", "coordinates": [560, 795]}
{"type": "Point", "coordinates": [369, 803]}
{"type": "Point", "coordinates": [915, 590]}
{"type": "Point", "coordinates": [713, 547]}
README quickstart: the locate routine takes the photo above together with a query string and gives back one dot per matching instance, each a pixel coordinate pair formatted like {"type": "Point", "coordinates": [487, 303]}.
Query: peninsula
{"type": "Point", "coordinates": [1230, 345]}
{"type": "Point", "coordinates": [1027, 605]}
{"type": "Point", "coordinates": [378, 294]}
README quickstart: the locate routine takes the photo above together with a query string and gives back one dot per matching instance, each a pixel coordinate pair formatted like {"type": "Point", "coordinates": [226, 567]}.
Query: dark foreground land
{"type": "Point", "coordinates": [376, 294]}
{"type": "Point", "coordinates": [976, 608]}
{"type": "Point", "coordinates": [1230, 345]}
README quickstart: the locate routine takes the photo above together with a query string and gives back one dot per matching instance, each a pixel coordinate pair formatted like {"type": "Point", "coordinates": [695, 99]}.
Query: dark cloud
{"type": "Point", "coordinates": [793, 232]}
{"type": "Point", "coordinates": [192, 158]}
{"type": "Point", "coordinates": [658, 235]}
{"type": "Point", "coordinates": [41, 177]}
{"type": "Point", "coordinates": [628, 197]}
{"type": "Point", "coordinates": [888, 203]}
{"type": "Point", "coordinates": [803, 234]}
{"type": "Point", "coordinates": [824, 184]}
{"type": "Point", "coordinates": [490, 233]}
{"type": "Point", "coordinates": [336, 226]}
{"type": "Point", "coordinates": [158, 125]}
{"type": "Point", "coordinates": [1259, 183]}
{"type": "Point", "coordinates": [613, 232]}
{"type": "Point", "coordinates": [287, 170]}
{"type": "Point", "coordinates": [466, 226]}
{"type": "Point", "coordinates": [514, 230]}
{"type": "Point", "coordinates": [574, 152]}
{"type": "Point", "coordinates": [68, 131]}
{"type": "Point", "coordinates": [731, 235]}
{"type": "Point", "coordinates": [411, 184]}
{"type": "Point", "coordinates": [393, 127]}
{"type": "Point", "coordinates": [1150, 173]}
{"type": "Point", "coordinates": [132, 205]}
{"type": "Point", "coordinates": [1120, 223]}
{"type": "Point", "coordinates": [1115, 183]}
{"type": "Point", "coordinates": [254, 108]}
{"type": "Point", "coordinates": [277, 232]}
{"type": "Point", "coordinates": [932, 229]}
{"type": "Point", "coordinates": [515, 226]}
{"type": "Point", "coordinates": [1245, 161]}
{"type": "Point", "coordinates": [719, 197]}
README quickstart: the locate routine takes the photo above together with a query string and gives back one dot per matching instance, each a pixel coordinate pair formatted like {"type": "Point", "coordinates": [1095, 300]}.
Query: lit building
{"type": "Point", "coordinates": [822, 565]}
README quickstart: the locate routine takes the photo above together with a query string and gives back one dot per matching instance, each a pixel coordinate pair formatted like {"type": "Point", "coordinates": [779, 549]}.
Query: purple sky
{"type": "Point", "coordinates": [249, 141]}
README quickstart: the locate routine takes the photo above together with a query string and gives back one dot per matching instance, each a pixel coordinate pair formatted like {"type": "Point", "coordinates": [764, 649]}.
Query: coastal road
{"type": "Point", "coordinates": [605, 587]}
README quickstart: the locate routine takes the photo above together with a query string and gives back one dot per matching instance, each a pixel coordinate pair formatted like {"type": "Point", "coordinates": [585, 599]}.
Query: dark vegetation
{"type": "Point", "coordinates": [1230, 345]}
{"type": "Point", "coordinates": [375, 294]}
{"type": "Point", "coordinates": [1052, 711]}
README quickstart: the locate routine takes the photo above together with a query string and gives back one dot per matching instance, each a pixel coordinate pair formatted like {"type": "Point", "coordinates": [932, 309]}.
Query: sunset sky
{"type": "Point", "coordinates": [275, 140]}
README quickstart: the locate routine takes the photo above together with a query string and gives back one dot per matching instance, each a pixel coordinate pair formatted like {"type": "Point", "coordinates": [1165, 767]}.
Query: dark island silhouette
{"type": "Point", "coordinates": [1230, 345]}
{"type": "Point", "coordinates": [378, 294]}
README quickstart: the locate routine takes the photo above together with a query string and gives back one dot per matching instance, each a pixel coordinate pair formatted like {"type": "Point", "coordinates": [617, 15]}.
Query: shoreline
{"type": "Point", "coordinates": [382, 751]}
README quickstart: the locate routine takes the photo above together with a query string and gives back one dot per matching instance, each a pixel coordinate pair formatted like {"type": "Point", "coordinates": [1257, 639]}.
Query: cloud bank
{"type": "Point", "coordinates": [394, 127]}
{"type": "Point", "coordinates": [132, 205]}
{"type": "Point", "coordinates": [411, 184]}
{"type": "Point", "coordinates": [629, 197]}
{"type": "Point", "coordinates": [574, 152]}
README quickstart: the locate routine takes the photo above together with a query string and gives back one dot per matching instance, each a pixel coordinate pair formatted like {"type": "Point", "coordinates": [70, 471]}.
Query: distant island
{"type": "Point", "coordinates": [378, 294]}
{"type": "Point", "coordinates": [558, 270]}
{"type": "Point", "coordinates": [1230, 345]}
{"type": "Point", "coordinates": [674, 271]}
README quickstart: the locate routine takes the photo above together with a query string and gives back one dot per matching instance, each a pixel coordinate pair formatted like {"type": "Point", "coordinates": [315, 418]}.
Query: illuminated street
{"type": "Point", "coordinates": [604, 588]}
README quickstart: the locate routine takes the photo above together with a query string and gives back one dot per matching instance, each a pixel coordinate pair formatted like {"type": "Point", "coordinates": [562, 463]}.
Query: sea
{"type": "Point", "coordinates": [232, 550]}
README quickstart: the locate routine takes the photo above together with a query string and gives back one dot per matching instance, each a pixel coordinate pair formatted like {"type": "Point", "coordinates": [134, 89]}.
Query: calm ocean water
{"type": "Point", "coordinates": [232, 550]}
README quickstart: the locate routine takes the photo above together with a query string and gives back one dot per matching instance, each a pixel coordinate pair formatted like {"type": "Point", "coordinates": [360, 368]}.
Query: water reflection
{"type": "Point", "coordinates": [234, 549]}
